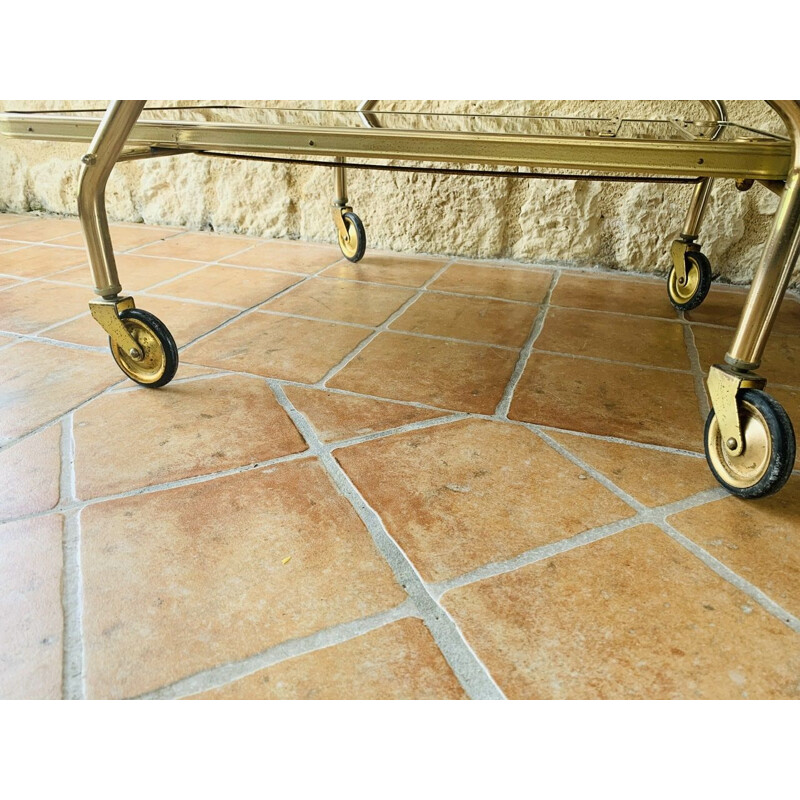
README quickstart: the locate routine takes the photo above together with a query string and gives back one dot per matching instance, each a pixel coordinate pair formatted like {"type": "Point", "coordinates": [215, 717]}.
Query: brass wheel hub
{"type": "Point", "coordinates": [748, 468]}
{"type": "Point", "coordinates": [349, 246]}
{"type": "Point", "coordinates": [148, 364]}
{"type": "Point", "coordinates": [684, 290]}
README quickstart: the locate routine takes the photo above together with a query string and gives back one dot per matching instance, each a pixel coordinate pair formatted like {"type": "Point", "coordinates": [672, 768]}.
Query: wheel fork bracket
{"type": "Point", "coordinates": [724, 383]}
{"type": "Point", "coordinates": [680, 247]}
{"type": "Point", "coordinates": [106, 312]}
{"type": "Point", "coordinates": [338, 212]}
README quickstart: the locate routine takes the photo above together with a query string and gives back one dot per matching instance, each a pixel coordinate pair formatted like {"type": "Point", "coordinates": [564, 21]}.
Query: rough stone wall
{"type": "Point", "coordinates": [613, 225]}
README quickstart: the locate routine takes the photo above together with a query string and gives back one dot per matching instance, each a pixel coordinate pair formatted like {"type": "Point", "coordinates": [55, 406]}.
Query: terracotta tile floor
{"type": "Point", "coordinates": [406, 478]}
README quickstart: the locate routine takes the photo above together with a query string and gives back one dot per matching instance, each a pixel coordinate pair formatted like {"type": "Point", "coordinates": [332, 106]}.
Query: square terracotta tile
{"type": "Point", "coordinates": [452, 375]}
{"type": "Point", "coordinates": [526, 285]}
{"type": "Point", "coordinates": [652, 477]}
{"type": "Point", "coordinates": [341, 301]}
{"type": "Point", "coordinates": [781, 363]}
{"type": "Point", "coordinates": [181, 431]}
{"type": "Point", "coordinates": [31, 622]}
{"type": "Point", "coordinates": [136, 273]}
{"type": "Point", "coordinates": [464, 494]}
{"type": "Point", "coordinates": [396, 662]}
{"type": "Point", "coordinates": [197, 246]}
{"type": "Point", "coordinates": [277, 347]}
{"type": "Point", "coordinates": [38, 304]}
{"type": "Point", "coordinates": [229, 285]}
{"type": "Point", "coordinates": [39, 229]}
{"type": "Point", "coordinates": [635, 340]}
{"type": "Point", "coordinates": [633, 616]}
{"type": "Point", "coordinates": [39, 382]}
{"type": "Point", "coordinates": [759, 540]}
{"type": "Point", "coordinates": [31, 471]}
{"type": "Point", "coordinates": [38, 262]}
{"type": "Point", "coordinates": [186, 321]}
{"type": "Point", "coordinates": [392, 269]}
{"type": "Point", "coordinates": [623, 295]}
{"type": "Point", "coordinates": [287, 256]}
{"type": "Point", "coordinates": [341, 416]}
{"type": "Point", "coordinates": [472, 318]}
{"type": "Point", "coordinates": [180, 581]}
{"type": "Point", "coordinates": [125, 237]}
{"type": "Point", "coordinates": [637, 403]}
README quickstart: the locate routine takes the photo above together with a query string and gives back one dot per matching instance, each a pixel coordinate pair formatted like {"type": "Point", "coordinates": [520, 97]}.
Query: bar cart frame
{"type": "Point", "coordinates": [749, 439]}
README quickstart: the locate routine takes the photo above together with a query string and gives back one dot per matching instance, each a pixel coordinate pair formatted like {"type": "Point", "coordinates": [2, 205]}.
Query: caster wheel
{"type": "Point", "coordinates": [159, 360]}
{"type": "Point", "coordinates": [767, 460]}
{"type": "Point", "coordinates": [353, 249]}
{"type": "Point", "coordinates": [690, 294]}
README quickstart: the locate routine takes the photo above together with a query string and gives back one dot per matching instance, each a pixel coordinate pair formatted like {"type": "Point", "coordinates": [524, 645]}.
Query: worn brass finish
{"type": "Point", "coordinates": [148, 361]}
{"type": "Point", "coordinates": [682, 288]}
{"type": "Point", "coordinates": [342, 229]}
{"type": "Point", "coordinates": [777, 260]}
{"type": "Point", "coordinates": [106, 146]}
{"type": "Point", "coordinates": [339, 184]}
{"type": "Point", "coordinates": [745, 466]}
{"type": "Point", "coordinates": [348, 241]}
{"type": "Point", "coordinates": [699, 157]}
{"type": "Point", "coordinates": [702, 192]}
{"type": "Point", "coordinates": [697, 208]}
{"type": "Point", "coordinates": [724, 383]}
{"type": "Point", "coordinates": [106, 312]}
{"type": "Point", "coordinates": [679, 275]}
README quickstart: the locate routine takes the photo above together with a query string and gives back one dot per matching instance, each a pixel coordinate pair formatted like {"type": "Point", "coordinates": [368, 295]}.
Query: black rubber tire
{"type": "Point", "coordinates": [696, 259]}
{"type": "Point", "coordinates": [361, 236]}
{"type": "Point", "coordinates": [161, 332]}
{"type": "Point", "coordinates": [784, 446]}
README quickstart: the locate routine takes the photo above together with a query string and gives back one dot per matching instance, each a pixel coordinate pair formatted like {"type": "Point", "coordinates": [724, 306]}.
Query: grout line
{"type": "Point", "coordinates": [599, 360]}
{"type": "Point", "coordinates": [72, 600]}
{"type": "Point", "coordinates": [381, 328]}
{"type": "Point", "coordinates": [217, 677]}
{"type": "Point", "coordinates": [79, 505]}
{"type": "Point", "coordinates": [645, 516]}
{"type": "Point", "coordinates": [34, 337]}
{"type": "Point", "coordinates": [525, 353]}
{"type": "Point", "coordinates": [467, 667]}
{"type": "Point", "coordinates": [586, 467]}
{"type": "Point", "coordinates": [727, 574]}
{"type": "Point", "coordinates": [697, 373]}
{"type": "Point", "coordinates": [613, 439]}
{"type": "Point", "coordinates": [658, 516]}
{"type": "Point", "coordinates": [400, 429]}
{"type": "Point", "coordinates": [250, 310]}
{"type": "Point", "coordinates": [494, 569]}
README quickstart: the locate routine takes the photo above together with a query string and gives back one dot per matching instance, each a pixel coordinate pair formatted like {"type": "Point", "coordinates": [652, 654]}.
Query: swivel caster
{"type": "Point", "coordinates": [354, 244]}
{"type": "Point", "coordinates": [766, 458]}
{"type": "Point", "coordinates": [154, 361]}
{"type": "Point", "coordinates": [688, 291]}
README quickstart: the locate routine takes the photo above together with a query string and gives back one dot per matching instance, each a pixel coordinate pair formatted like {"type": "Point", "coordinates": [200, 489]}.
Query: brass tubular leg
{"type": "Point", "coordinates": [697, 207]}
{"type": "Point", "coordinates": [777, 260]}
{"type": "Point", "coordinates": [97, 165]}
{"type": "Point", "coordinates": [340, 183]}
